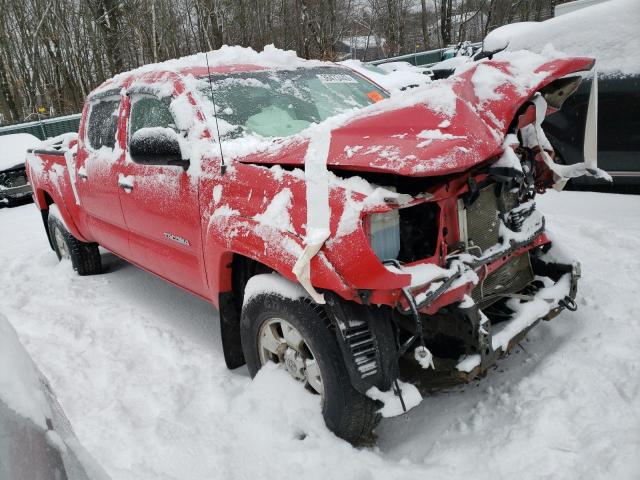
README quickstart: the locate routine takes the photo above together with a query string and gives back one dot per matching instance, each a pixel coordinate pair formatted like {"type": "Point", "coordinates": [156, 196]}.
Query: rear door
{"type": "Point", "coordinates": [160, 201]}
{"type": "Point", "coordinates": [97, 166]}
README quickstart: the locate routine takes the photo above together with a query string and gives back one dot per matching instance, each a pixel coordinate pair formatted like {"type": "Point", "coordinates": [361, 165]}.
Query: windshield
{"type": "Point", "coordinates": [284, 102]}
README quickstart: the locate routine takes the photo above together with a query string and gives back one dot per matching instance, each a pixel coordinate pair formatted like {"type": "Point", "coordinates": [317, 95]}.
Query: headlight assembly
{"type": "Point", "coordinates": [383, 230]}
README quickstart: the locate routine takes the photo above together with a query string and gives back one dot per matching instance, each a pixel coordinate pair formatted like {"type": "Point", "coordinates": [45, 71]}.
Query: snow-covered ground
{"type": "Point", "coordinates": [138, 367]}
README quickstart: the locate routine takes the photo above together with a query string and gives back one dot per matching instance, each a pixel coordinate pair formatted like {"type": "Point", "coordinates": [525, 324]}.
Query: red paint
{"type": "Point", "coordinates": [168, 200]}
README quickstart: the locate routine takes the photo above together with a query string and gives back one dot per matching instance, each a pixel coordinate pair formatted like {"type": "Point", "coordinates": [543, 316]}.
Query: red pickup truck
{"type": "Point", "coordinates": [344, 234]}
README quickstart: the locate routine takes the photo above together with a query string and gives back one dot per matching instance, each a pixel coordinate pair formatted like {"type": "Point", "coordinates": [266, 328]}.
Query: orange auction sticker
{"type": "Point", "coordinates": [375, 96]}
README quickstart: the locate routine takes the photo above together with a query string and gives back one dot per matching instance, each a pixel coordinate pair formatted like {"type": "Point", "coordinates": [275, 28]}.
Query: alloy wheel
{"type": "Point", "coordinates": [283, 344]}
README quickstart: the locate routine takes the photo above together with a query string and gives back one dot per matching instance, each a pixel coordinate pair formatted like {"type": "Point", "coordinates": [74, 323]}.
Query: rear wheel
{"type": "Point", "coordinates": [85, 257]}
{"type": "Point", "coordinates": [296, 335]}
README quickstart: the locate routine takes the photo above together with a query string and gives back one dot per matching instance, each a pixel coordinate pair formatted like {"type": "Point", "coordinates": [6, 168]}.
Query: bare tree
{"type": "Point", "coordinates": [53, 52]}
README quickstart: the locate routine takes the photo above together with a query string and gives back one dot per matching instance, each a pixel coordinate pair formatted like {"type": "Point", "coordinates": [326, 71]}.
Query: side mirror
{"type": "Point", "coordinates": [156, 146]}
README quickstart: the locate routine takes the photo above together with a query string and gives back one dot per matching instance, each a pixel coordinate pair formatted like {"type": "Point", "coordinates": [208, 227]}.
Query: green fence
{"type": "Point", "coordinates": [47, 128]}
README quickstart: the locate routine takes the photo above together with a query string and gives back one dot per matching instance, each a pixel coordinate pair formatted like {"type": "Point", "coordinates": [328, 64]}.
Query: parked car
{"type": "Point", "coordinates": [461, 49]}
{"type": "Point", "coordinates": [388, 78]}
{"type": "Point", "coordinates": [447, 67]}
{"type": "Point", "coordinates": [36, 438]}
{"type": "Point", "coordinates": [390, 67]}
{"type": "Point", "coordinates": [607, 32]}
{"type": "Point", "coordinates": [14, 186]}
{"type": "Point", "coordinates": [336, 230]}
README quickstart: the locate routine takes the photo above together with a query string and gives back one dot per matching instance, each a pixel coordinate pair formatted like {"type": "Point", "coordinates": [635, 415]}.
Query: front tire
{"type": "Point", "coordinates": [296, 335]}
{"type": "Point", "coordinates": [85, 257]}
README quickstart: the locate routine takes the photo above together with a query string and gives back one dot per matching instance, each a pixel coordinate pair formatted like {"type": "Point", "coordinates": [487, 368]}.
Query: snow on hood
{"type": "Point", "coordinates": [608, 32]}
{"type": "Point", "coordinates": [441, 128]}
{"type": "Point", "coordinates": [13, 149]}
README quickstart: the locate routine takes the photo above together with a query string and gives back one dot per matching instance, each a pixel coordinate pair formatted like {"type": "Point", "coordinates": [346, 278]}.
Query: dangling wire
{"type": "Point", "coordinates": [223, 166]}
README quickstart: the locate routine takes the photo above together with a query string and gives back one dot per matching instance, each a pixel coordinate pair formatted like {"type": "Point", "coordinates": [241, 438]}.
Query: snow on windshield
{"type": "Point", "coordinates": [285, 102]}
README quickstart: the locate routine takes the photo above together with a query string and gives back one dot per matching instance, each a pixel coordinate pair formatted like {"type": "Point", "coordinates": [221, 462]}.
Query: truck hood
{"type": "Point", "coordinates": [442, 128]}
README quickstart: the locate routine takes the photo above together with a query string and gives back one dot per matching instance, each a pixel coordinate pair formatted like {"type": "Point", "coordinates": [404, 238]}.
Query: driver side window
{"type": "Point", "coordinates": [153, 137]}
{"type": "Point", "coordinates": [150, 112]}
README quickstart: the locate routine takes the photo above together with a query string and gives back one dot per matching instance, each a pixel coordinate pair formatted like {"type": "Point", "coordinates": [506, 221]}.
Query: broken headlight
{"type": "Point", "coordinates": [383, 230]}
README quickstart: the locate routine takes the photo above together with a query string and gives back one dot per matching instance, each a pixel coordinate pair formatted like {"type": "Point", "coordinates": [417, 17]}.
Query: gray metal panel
{"type": "Point", "coordinates": [47, 128]}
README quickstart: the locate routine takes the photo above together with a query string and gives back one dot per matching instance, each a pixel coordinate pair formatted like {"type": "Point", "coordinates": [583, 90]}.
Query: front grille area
{"type": "Point", "coordinates": [511, 277]}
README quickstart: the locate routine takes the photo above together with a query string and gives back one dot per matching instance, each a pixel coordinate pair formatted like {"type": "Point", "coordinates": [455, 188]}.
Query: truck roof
{"type": "Point", "coordinates": [224, 60]}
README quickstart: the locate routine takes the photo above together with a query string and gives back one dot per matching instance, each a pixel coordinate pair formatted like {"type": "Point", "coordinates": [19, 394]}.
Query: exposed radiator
{"type": "Point", "coordinates": [479, 222]}
{"type": "Point", "coordinates": [479, 225]}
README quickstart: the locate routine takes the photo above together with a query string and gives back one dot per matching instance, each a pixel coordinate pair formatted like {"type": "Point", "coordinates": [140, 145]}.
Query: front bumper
{"type": "Point", "coordinates": [558, 292]}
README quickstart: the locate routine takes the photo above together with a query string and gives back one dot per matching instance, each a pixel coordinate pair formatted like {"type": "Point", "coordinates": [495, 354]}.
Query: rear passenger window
{"type": "Point", "coordinates": [103, 123]}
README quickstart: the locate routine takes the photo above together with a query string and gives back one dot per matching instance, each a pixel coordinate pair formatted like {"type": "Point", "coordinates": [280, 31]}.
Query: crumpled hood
{"type": "Point", "coordinates": [442, 128]}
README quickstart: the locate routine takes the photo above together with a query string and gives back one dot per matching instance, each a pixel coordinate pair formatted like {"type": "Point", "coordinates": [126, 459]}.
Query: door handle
{"type": "Point", "coordinates": [125, 182]}
{"type": "Point", "coordinates": [82, 174]}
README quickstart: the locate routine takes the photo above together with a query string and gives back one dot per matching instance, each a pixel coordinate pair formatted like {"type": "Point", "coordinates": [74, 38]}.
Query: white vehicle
{"type": "Point", "coordinates": [394, 80]}
{"type": "Point", "coordinates": [404, 67]}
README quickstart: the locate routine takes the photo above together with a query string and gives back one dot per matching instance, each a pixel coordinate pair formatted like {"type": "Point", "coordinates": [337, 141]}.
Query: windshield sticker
{"type": "Point", "coordinates": [375, 96]}
{"type": "Point", "coordinates": [335, 78]}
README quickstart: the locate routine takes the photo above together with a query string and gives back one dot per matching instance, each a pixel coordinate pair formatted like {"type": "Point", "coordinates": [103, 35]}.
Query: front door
{"type": "Point", "coordinates": [160, 202]}
{"type": "Point", "coordinates": [97, 165]}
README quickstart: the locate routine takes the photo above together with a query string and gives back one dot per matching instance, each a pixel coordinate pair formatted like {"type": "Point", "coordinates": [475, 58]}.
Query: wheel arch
{"type": "Point", "coordinates": [44, 199]}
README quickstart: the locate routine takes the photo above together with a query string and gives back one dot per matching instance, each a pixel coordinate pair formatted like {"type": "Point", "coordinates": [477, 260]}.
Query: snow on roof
{"type": "Point", "coordinates": [270, 57]}
{"type": "Point", "coordinates": [13, 149]}
{"type": "Point", "coordinates": [608, 32]}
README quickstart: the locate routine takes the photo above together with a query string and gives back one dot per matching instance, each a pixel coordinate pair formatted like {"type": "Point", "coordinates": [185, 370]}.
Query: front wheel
{"type": "Point", "coordinates": [296, 335]}
{"type": "Point", "coordinates": [85, 257]}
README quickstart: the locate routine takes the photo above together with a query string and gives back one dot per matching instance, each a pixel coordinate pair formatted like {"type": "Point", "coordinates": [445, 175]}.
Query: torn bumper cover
{"type": "Point", "coordinates": [535, 286]}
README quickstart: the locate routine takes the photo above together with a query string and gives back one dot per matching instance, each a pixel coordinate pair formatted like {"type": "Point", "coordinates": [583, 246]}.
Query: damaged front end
{"type": "Point", "coordinates": [480, 269]}
{"type": "Point", "coordinates": [492, 276]}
